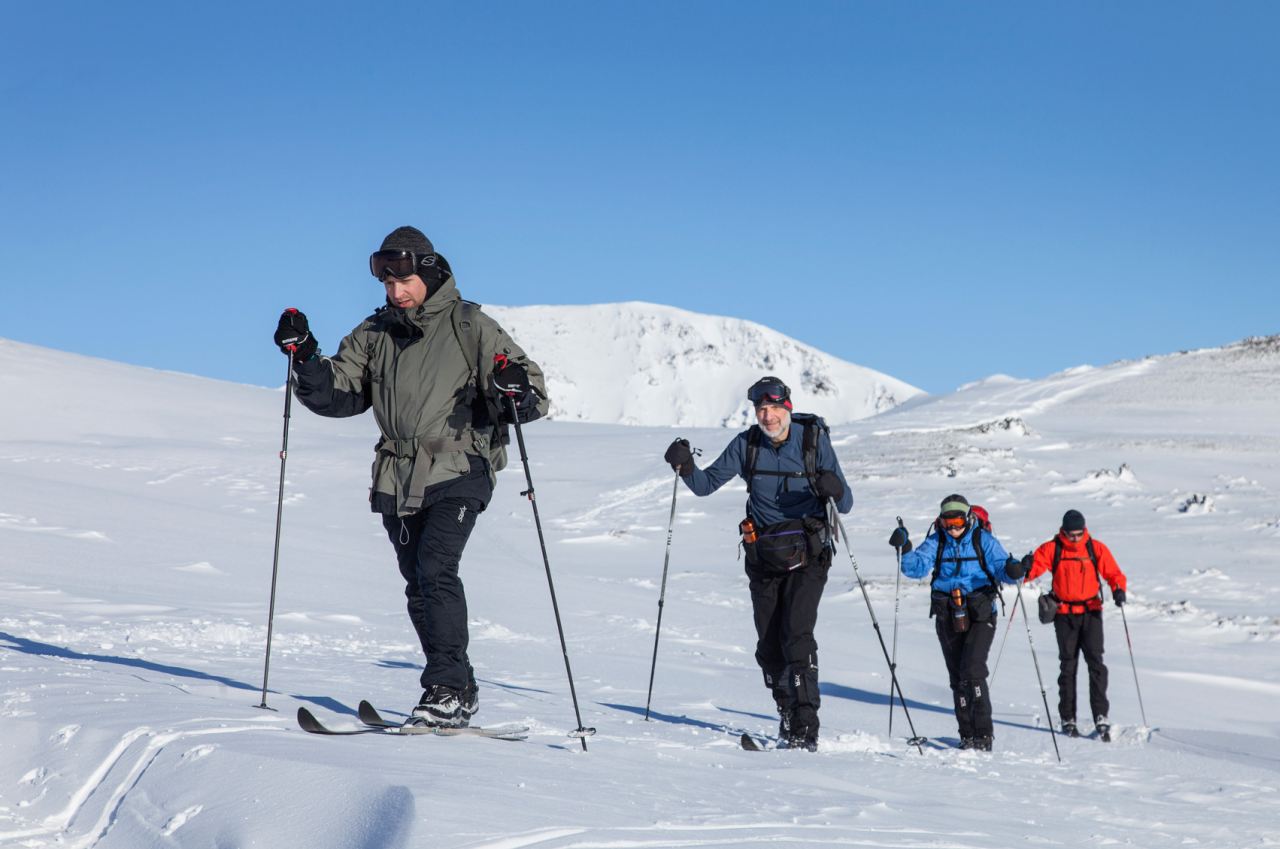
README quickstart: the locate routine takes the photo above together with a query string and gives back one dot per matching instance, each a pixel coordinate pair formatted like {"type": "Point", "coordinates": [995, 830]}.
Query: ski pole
{"type": "Point", "coordinates": [1012, 615]}
{"type": "Point", "coordinates": [1125, 620]}
{"type": "Point", "coordinates": [893, 664]}
{"type": "Point", "coordinates": [1048, 716]}
{"type": "Point", "coordinates": [915, 740]}
{"type": "Point", "coordinates": [581, 733]}
{"type": "Point", "coordinates": [662, 593]}
{"type": "Point", "coordinates": [275, 560]}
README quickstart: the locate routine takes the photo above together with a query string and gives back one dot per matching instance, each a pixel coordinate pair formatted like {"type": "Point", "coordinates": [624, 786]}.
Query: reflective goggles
{"type": "Point", "coordinates": [955, 520]}
{"type": "Point", "coordinates": [769, 392]}
{"type": "Point", "coordinates": [383, 264]}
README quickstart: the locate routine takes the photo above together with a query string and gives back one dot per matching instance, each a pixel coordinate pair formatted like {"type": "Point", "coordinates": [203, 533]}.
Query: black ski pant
{"type": "Point", "coordinates": [1080, 633]}
{"type": "Point", "coordinates": [428, 547]}
{"type": "Point", "coordinates": [785, 605]}
{"type": "Point", "coordinates": [966, 657]}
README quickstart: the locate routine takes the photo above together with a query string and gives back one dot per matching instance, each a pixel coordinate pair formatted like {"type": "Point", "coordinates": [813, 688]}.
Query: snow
{"type": "Point", "coordinates": [137, 518]}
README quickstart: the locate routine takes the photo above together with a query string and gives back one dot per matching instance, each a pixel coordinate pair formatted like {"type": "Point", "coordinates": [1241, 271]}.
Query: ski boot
{"type": "Point", "coordinates": [1103, 725]}
{"type": "Point", "coordinates": [442, 706]}
{"type": "Point", "coordinates": [1069, 728]}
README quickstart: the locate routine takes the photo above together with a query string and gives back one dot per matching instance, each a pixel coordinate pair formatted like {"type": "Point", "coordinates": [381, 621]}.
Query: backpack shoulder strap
{"type": "Point", "coordinates": [1093, 558]}
{"type": "Point", "coordinates": [753, 452]}
{"type": "Point", "coordinates": [1057, 554]}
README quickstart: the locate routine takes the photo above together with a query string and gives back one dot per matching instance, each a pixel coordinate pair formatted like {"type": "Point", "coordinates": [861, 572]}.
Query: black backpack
{"type": "Point", "coordinates": [813, 426]}
{"type": "Point", "coordinates": [976, 538]}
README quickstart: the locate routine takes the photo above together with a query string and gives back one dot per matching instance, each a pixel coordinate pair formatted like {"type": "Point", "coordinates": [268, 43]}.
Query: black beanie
{"type": "Point", "coordinates": [1073, 520]}
{"type": "Point", "coordinates": [408, 239]}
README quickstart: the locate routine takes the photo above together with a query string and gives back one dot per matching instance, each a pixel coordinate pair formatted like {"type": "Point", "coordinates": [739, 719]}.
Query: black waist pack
{"type": "Point", "coordinates": [980, 605]}
{"type": "Point", "coordinates": [786, 546]}
{"type": "Point", "coordinates": [1048, 605]}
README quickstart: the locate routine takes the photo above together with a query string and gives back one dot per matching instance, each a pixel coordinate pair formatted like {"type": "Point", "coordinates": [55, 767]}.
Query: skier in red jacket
{"type": "Point", "coordinates": [1079, 564]}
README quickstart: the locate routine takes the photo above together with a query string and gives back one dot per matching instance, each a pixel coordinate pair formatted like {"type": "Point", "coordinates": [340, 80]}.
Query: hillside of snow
{"type": "Point", "coordinates": [646, 364]}
{"type": "Point", "coordinates": [137, 518]}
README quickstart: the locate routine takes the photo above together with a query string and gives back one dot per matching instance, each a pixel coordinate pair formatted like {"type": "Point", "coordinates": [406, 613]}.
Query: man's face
{"type": "Point", "coordinates": [774, 419]}
{"type": "Point", "coordinates": [1074, 536]}
{"type": "Point", "coordinates": [406, 292]}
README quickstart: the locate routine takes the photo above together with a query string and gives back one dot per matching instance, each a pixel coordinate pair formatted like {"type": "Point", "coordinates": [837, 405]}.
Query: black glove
{"type": "Point", "coordinates": [680, 456]}
{"type": "Point", "coordinates": [1015, 568]}
{"type": "Point", "coordinates": [828, 485]}
{"type": "Point", "coordinates": [1028, 560]}
{"type": "Point", "coordinates": [900, 539]}
{"type": "Point", "coordinates": [512, 380]}
{"type": "Point", "coordinates": [1117, 596]}
{"type": "Point", "coordinates": [293, 336]}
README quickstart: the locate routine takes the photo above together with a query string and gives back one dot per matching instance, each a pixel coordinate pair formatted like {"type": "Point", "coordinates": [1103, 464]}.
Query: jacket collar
{"type": "Point", "coordinates": [1074, 546]}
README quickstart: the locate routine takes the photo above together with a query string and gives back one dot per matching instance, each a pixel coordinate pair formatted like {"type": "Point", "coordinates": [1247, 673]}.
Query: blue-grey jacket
{"type": "Point", "coordinates": [960, 567]}
{"type": "Point", "coordinates": [773, 499]}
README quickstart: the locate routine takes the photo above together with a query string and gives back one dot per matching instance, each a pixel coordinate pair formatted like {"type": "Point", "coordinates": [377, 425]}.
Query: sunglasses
{"type": "Point", "coordinates": [950, 522]}
{"type": "Point", "coordinates": [401, 264]}
{"type": "Point", "coordinates": [769, 393]}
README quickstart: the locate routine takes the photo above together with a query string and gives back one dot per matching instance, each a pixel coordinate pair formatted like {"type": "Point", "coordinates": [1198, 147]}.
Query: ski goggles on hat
{"type": "Point", "coordinates": [383, 264]}
{"type": "Point", "coordinates": [769, 392]}
{"type": "Point", "coordinates": [953, 520]}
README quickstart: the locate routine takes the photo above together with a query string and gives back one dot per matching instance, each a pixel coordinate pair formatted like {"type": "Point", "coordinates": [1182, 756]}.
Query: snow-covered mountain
{"type": "Point", "coordinates": [646, 364]}
{"type": "Point", "coordinates": [137, 518]}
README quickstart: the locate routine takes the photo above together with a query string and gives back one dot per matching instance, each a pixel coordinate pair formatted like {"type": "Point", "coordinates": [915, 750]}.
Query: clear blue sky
{"type": "Point", "coordinates": [937, 190]}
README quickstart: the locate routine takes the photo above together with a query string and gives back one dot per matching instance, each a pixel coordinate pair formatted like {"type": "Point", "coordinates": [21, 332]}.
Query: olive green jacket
{"type": "Point", "coordinates": [427, 375]}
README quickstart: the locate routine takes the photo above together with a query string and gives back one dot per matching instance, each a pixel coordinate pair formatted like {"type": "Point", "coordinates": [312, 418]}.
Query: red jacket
{"type": "Point", "coordinates": [1075, 581]}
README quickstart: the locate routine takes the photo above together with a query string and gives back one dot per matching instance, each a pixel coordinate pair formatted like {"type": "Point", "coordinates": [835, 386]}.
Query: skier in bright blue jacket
{"type": "Point", "coordinates": [964, 600]}
{"type": "Point", "coordinates": [786, 541]}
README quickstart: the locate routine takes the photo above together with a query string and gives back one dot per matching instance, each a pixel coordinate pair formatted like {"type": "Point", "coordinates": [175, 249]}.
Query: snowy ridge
{"type": "Point", "coordinates": [136, 526]}
{"type": "Point", "coordinates": [646, 364]}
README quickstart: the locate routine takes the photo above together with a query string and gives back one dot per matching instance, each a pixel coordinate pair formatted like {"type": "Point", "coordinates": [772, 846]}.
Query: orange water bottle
{"type": "Point", "coordinates": [959, 612]}
{"type": "Point", "coordinates": [748, 529]}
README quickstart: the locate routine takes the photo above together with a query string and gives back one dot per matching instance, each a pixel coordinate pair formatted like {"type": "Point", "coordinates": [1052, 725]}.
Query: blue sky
{"type": "Point", "coordinates": [940, 191]}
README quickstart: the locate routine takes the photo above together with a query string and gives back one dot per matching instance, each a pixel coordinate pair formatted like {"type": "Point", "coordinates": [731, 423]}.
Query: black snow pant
{"type": "Point", "coordinates": [1080, 633]}
{"type": "Point", "coordinates": [966, 658]}
{"type": "Point", "coordinates": [786, 610]}
{"type": "Point", "coordinates": [428, 547]}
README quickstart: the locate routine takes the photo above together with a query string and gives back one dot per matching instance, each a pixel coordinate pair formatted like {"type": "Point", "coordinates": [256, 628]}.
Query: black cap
{"type": "Point", "coordinates": [408, 239]}
{"type": "Point", "coordinates": [1073, 520]}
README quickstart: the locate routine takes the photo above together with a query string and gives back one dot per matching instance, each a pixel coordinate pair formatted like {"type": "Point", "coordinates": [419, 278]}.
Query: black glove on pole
{"type": "Point", "coordinates": [581, 733]}
{"type": "Point", "coordinates": [893, 662]}
{"type": "Point", "coordinates": [662, 593]}
{"type": "Point", "coordinates": [275, 560]}
{"type": "Point", "coordinates": [293, 336]}
{"type": "Point", "coordinates": [828, 485]}
{"type": "Point", "coordinates": [915, 740]}
{"type": "Point", "coordinates": [680, 456]}
{"type": "Point", "coordinates": [900, 540]}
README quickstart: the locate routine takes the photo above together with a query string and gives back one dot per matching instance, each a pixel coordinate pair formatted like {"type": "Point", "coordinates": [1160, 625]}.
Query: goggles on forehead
{"type": "Point", "coordinates": [384, 264]}
{"type": "Point", "coordinates": [769, 392]}
{"type": "Point", "coordinates": [955, 520]}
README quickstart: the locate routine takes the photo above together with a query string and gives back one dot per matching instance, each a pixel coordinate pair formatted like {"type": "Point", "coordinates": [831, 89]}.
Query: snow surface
{"type": "Point", "coordinates": [647, 364]}
{"type": "Point", "coordinates": [137, 516]}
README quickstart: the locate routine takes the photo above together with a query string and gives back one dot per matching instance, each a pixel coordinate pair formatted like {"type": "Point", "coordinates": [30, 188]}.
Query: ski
{"type": "Point", "coordinates": [308, 722]}
{"type": "Point", "coordinates": [751, 744]}
{"type": "Point", "coordinates": [369, 716]}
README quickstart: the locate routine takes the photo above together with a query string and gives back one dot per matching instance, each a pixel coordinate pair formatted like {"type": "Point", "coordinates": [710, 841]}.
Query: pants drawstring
{"type": "Point", "coordinates": [404, 533]}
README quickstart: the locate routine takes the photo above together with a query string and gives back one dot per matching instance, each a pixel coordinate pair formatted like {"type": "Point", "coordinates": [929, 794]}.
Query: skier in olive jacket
{"type": "Point", "coordinates": [1079, 564]}
{"type": "Point", "coordinates": [442, 378]}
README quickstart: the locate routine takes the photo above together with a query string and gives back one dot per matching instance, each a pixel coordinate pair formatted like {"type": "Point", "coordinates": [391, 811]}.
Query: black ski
{"type": "Point", "coordinates": [308, 722]}
{"type": "Point", "coordinates": [751, 744]}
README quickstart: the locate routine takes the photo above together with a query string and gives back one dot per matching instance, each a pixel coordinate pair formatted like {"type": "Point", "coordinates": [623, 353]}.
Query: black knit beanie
{"type": "Point", "coordinates": [1073, 520]}
{"type": "Point", "coordinates": [408, 239]}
